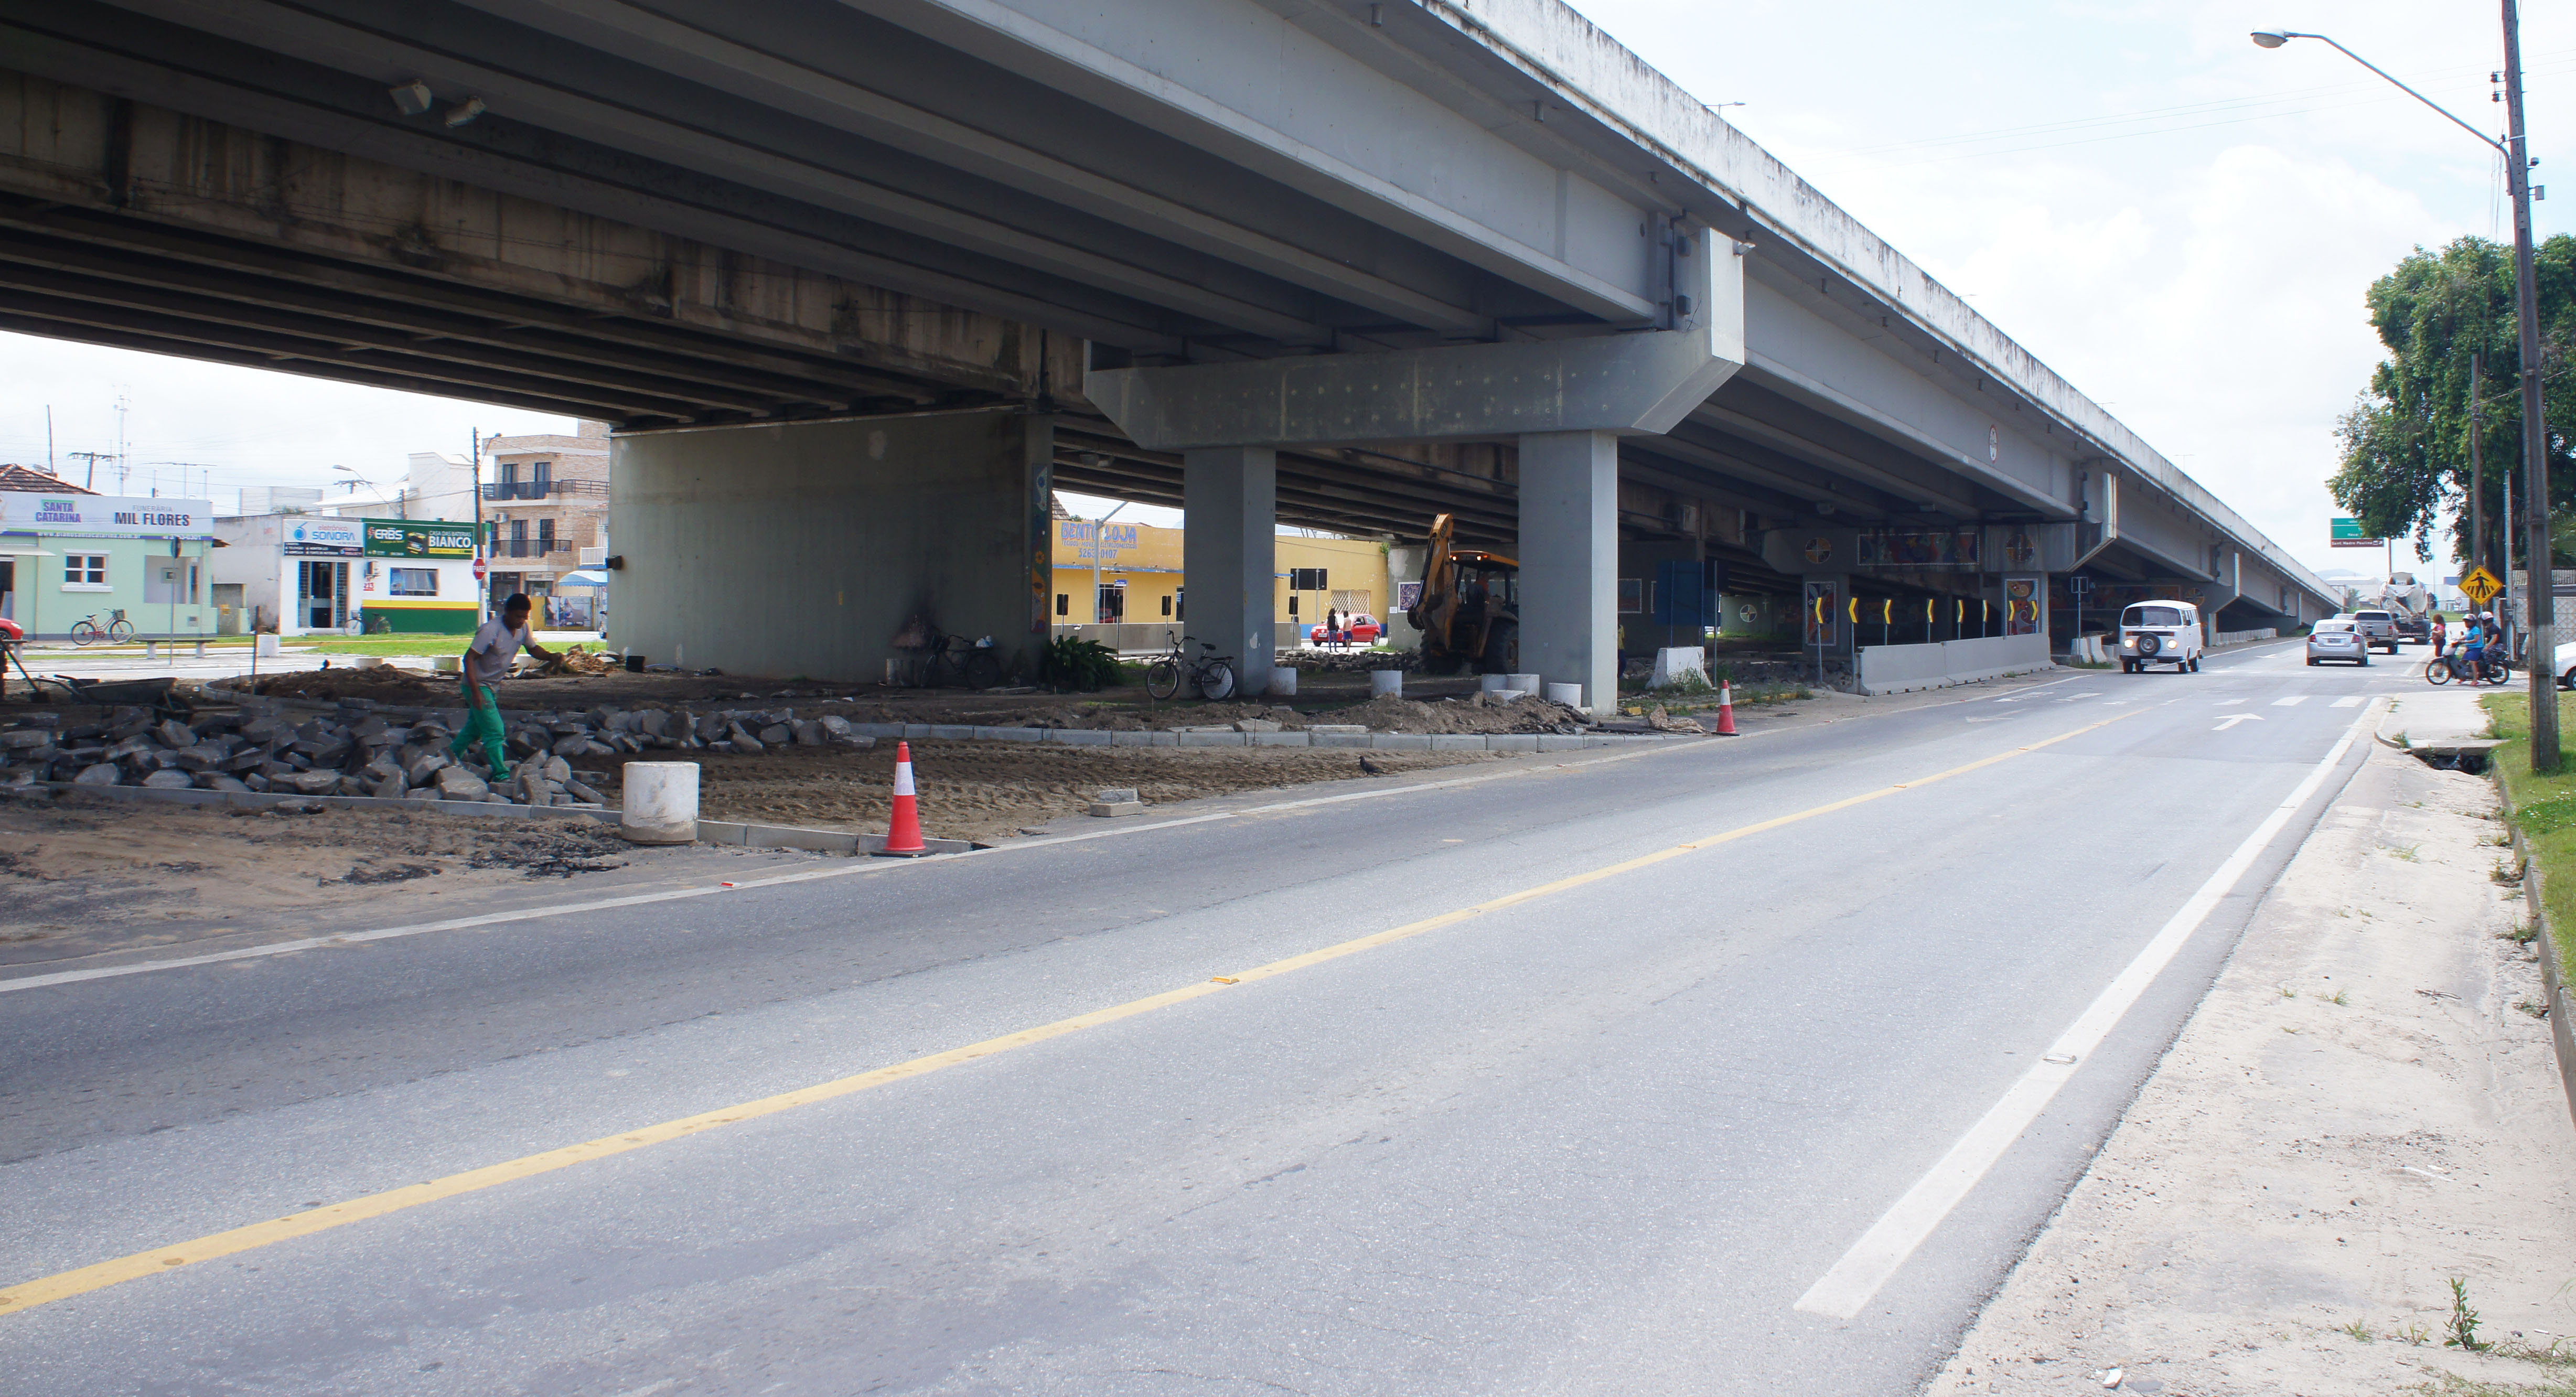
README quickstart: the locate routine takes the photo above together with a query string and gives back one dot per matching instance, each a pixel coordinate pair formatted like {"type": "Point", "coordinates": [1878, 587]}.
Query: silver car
{"type": "Point", "coordinates": [2338, 639]}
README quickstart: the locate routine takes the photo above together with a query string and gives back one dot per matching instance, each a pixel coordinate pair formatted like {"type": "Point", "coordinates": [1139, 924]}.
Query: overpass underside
{"type": "Point", "coordinates": [860, 284]}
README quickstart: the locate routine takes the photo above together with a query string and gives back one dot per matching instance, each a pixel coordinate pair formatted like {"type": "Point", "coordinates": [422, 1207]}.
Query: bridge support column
{"type": "Point", "coordinates": [794, 549]}
{"type": "Point", "coordinates": [1569, 556]}
{"type": "Point", "coordinates": [1229, 553]}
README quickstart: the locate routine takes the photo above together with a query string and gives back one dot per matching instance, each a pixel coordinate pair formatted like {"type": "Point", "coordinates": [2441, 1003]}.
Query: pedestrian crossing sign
{"type": "Point", "coordinates": [2480, 586]}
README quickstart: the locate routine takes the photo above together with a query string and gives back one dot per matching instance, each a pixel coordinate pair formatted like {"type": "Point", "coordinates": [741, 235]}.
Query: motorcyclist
{"type": "Point", "coordinates": [2469, 661]}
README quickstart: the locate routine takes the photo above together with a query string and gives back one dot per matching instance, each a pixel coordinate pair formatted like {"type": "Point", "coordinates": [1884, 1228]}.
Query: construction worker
{"type": "Point", "coordinates": [495, 646]}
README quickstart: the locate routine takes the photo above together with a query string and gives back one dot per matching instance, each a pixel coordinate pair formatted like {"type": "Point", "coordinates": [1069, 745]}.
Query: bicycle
{"type": "Point", "coordinates": [955, 660]}
{"type": "Point", "coordinates": [1211, 675]}
{"type": "Point", "coordinates": [117, 631]}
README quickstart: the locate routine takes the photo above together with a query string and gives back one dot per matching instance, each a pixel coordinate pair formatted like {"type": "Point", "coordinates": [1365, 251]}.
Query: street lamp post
{"type": "Point", "coordinates": [2541, 656]}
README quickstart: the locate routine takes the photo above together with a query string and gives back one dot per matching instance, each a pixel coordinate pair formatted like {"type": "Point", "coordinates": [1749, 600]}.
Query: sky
{"type": "Point", "coordinates": [2180, 223]}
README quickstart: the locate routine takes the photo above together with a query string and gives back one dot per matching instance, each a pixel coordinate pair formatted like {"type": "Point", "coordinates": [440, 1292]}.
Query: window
{"type": "Point", "coordinates": [1632, 595]}
{"type": "Point", "coordinates": [415, 582]}
{"type": "Point", "coordinates": [87, 571]}
{"type": "Point", "coordinates": [545, 534]}
{"type": "Point", "coordinates": [2155, 616]}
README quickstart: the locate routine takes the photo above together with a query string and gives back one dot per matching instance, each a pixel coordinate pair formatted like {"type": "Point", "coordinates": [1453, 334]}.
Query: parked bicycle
{"type": "Point", "coordinates": [1210, 676]}
{"type": "Point", "coordinates": [955, 660]}
{"type": "Point", "coordinates": [117, 631]}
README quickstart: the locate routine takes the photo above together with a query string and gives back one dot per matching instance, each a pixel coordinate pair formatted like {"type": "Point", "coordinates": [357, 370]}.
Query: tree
{"type": "Point", "coordinates": [2405, 443]}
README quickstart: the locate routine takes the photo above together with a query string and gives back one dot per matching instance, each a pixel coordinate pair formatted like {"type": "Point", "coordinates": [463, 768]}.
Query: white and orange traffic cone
{"type": "Point", "coordinates": [1726, 709]}
{"type": "Point", "coordinates": [903, 835]}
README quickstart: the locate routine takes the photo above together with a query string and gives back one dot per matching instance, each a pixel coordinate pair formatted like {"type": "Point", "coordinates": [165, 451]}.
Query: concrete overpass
{"type": "Point", "coordinates": [861, 281]}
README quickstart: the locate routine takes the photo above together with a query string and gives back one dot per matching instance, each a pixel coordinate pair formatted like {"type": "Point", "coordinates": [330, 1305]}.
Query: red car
{"type": "Point", "coordinates": [11, 632]}
{"type": "Point", "coordinates": [1360, 628]}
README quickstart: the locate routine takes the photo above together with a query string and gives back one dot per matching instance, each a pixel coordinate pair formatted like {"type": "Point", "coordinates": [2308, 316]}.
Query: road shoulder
{"type": "Point", "coordinates": [2357, 1113]}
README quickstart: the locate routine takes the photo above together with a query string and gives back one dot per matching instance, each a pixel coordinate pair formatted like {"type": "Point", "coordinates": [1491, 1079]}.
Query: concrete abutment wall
{"type": "Point", "coordinates": [803, 548]}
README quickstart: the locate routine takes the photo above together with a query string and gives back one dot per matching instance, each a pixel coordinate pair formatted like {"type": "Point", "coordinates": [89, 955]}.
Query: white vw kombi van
{"type": "Point", "coordinates": [2160, 632]}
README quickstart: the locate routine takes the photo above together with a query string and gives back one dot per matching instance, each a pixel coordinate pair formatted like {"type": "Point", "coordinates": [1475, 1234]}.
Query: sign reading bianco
{"type": "Point", "coordinates": [413, 538]}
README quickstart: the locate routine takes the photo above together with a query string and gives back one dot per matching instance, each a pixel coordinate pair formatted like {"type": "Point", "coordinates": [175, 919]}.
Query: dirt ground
{"type": "Point", "coordinates": [81, 874]}
{"type": "Point", "coordinates": [2365, 1108]}
{"type": "Point", "coordinates": [992, 790]}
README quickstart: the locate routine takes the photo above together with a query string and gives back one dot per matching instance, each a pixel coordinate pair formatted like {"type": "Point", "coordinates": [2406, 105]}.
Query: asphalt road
{"type": "Point", "coordinates": [1597, 1139]}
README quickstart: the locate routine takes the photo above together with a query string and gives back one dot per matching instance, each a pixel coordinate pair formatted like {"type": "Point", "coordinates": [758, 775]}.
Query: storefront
{"type": "Point", "coordinates": [69, 557]}
{"type": "Point", "coordinates": [304, 574]}
{"type": "Point", "coordinates": [418, 577]}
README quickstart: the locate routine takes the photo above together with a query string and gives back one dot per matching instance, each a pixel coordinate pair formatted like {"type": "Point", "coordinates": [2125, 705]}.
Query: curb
{"type": "Point", "coordinates": [2553, 982]}
{"type": "Point", "coordinates": [261, 800]}
{"type": "Point", "coordinates": [1072, 737]}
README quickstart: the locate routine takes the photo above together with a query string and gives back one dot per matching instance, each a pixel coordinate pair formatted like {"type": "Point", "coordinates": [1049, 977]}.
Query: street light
{"type": "Point", "coordinates": [2541, 655]}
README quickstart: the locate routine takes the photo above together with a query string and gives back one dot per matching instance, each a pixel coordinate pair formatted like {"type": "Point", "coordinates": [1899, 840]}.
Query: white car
{"type": "Point", "coordinates": [2337, 639]}
{"type": "Point", "coordinates": [2160, 633]}
{"type": "Point", "coordinates": [2566, 665]}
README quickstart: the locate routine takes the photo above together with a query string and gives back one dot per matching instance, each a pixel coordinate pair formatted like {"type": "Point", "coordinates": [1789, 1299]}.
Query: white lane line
{"type": "Point", "coordinates": [2292, 701]}
{"type": "Point", "coordinates": [1854, 1281]}
{"type": "Point", "coordinates": [2224, 702]}
{"type": "Point", "coordinates": [2233, 719]}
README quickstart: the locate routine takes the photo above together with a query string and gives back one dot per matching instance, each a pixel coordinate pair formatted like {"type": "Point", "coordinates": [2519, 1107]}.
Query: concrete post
{"type": "Point", "coordinates": [1229, 553]}
{"type": "Point", "coordinates": [1569, 555]}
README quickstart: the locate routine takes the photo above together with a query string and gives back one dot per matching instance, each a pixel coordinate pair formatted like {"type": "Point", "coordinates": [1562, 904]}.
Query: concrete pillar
{"type": "Point", "coordinates": [1229, 557]}
{"type": "Point", "coordinates": [1569, 555]}
{"type": "Point", "coordinates": [787, 549]}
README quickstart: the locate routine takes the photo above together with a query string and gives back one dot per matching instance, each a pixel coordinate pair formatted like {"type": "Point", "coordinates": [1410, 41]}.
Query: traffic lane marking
{"type": "Point", "coordinates": [101, 1275]}
{"type": "Point", "coordinates": [1855, 1280]}
{"type": "Point", "coordinates": [2233, 719]}
{"type": "Point", "coordinates": [2349, 701]}
{"type": "Point", "coordinates": [2292, 701]}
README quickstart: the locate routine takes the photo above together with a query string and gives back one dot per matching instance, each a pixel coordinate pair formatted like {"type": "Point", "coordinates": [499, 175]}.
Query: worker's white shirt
{"type": "Point", "coordinates": [494, 647]}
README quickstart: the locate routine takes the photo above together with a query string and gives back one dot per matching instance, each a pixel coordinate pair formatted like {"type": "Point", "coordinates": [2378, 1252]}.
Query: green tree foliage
{"type": "Point", "coordinates": [2405, 444]}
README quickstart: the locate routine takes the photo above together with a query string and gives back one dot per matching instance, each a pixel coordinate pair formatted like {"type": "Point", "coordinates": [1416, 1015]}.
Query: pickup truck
{"type": "Point", "coordinates": [2378, 628]}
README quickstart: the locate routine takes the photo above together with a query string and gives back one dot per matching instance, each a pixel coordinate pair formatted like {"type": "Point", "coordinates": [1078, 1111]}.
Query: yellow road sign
{"type": "Point", "coordinates": [2480, 586]}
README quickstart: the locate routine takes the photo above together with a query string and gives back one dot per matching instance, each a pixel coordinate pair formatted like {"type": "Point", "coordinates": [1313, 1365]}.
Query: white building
{"type": "Point", "coordinates": [302, 574]}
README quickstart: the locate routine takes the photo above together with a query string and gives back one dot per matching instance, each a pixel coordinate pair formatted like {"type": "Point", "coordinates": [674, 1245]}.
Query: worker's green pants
{"type": "Point", "coordinates": [482, 724]}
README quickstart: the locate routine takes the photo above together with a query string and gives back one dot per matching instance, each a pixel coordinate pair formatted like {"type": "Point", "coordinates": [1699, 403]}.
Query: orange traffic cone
{"type": "Point", "coordinates": [1726, 710]}
{"type": "Point", "coordinates": [903, 836]}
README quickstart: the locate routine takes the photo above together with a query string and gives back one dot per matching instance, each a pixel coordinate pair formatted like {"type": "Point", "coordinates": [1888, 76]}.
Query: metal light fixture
{"type": "Point", "coordinates": [413, 98]}
{"type": "Point", "coordinates": [2539, 633]}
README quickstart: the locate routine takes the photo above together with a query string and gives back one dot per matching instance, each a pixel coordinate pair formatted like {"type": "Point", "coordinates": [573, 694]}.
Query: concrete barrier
{"type": "Point", "coordinates": [2244, 637]}
{"type": "Point", "coordinates": [1571, 695]}
{"type": "Point", "coordinates": [1903, 669]}
{"type": "Point", "coordinates": [1678, 664]}
{"type": "Point", "coordinates": [1283, 682]}
{"type": "Point", "coordinates": [1386, 681]}
{"type": "Point", "coordinates": [661, 800]}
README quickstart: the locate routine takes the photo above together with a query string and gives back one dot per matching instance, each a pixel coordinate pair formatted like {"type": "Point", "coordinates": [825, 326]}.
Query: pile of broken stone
{"type": "Point", "coordinates": [357, 752]}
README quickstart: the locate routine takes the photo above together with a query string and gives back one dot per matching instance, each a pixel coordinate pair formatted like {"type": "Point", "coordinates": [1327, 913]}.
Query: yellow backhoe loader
{"type": "Point", "coordinates": [1470, 611]}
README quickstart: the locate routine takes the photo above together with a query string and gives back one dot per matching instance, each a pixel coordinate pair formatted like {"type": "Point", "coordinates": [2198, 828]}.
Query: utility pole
{"type": "Point", "coordinates": [49, 439]}
{"type": "Point", "coordinates": [2540, 661]}
{"type": "Point", "coordinates": [2477, 473]}
{"type": "Point", "coordinates": [90, 480]}
{"type": "Point", "coordinates": [482, 585]}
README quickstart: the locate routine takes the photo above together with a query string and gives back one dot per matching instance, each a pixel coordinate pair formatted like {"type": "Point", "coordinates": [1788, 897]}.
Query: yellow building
{"type": "Point", "coordinates": [1107, 574]}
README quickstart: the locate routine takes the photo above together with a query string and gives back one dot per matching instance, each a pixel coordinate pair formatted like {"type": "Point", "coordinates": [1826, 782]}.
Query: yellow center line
{"type": "Point", "coordinates": [103, 1274]}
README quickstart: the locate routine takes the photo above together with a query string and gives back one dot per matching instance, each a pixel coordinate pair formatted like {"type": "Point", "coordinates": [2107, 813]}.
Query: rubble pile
{"type": "Point", "coordinates": [1473, 713]}
{"type": "Point", "coordinates": [356, 752]}
{"type": "Point", "coordinates": [352, 753]}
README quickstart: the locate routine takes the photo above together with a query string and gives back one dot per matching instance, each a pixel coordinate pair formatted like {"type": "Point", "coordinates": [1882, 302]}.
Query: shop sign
{"type": "Point", "coordinates": [315, 537]}
{"type": "Point", "coordinates": [105, 516]}
{"type": "Point", "coordinates": [412, 538]}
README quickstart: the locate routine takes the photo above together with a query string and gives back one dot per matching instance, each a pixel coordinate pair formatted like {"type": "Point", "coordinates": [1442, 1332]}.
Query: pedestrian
{"type": "Point", "coordinates": [1332, 627]}
{"type": "Point", "coordinates": [2441, 634]}
{"type": "Point", "coordinates": [487, 659]}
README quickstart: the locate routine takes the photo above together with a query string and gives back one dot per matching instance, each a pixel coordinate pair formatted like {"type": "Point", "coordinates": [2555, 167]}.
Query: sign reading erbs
{"type": "Point", "coordinates": [105, 516]}
{"type": "Point", "coordinates": [413, 538]}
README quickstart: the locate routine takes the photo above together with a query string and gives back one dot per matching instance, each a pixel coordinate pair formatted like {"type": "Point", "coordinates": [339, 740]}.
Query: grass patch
{"type": "Point", "coordinates": [408, 643]}
{"type": "Point", "coordinates": [2544, 809]}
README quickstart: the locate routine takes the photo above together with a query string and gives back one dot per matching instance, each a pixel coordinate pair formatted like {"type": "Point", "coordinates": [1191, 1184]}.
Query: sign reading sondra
{"type": "Point", "coordinates": [413, 538]}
